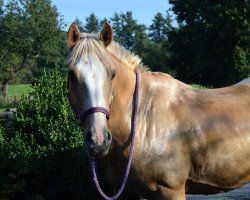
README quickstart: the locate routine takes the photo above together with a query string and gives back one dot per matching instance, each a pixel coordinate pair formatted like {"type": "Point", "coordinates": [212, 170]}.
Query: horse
{"type": "Point", "coordinates": [186, 140]}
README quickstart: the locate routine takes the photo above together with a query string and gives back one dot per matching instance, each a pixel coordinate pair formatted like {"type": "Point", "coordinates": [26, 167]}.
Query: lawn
{"type": "Point", "coordinates": [19, 90]}
{"type": "Point", "coordinates": [15, 93]}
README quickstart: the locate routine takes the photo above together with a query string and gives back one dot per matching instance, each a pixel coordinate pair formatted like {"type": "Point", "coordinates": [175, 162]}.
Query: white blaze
{"type": "Point", "coordinates": [93, 73]}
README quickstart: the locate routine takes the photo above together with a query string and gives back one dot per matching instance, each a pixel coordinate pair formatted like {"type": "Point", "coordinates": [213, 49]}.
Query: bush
{"type": "Point", "coordinates": [45, 118]}
{"type": "Point", "coordinates": [199, 86]}
{"type": "Point", "coordinates": [45, 158]}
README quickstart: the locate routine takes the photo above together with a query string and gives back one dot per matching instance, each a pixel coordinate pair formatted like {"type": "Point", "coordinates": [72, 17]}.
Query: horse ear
{"type": "Point", "coordinates": [106, 34]}
{"type": "Point", "coordinates": [73, 35]}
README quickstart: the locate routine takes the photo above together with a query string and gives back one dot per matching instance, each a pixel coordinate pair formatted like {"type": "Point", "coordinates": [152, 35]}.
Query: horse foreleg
{"type": "Point", "coordinates": [165, 193]}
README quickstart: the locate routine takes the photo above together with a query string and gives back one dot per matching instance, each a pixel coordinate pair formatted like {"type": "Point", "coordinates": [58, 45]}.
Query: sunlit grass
{"type": "Point", "coordinates": [19, 90]}
{"type": "Point", "coordinates": [15, 92]}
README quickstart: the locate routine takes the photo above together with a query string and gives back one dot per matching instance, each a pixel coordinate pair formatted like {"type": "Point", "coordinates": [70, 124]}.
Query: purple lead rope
{"type": "Point", "coordinates": [133, 128]}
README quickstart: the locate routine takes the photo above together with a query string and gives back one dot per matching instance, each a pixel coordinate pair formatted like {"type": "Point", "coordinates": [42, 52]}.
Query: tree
{"type": "Point", "coordinates": [158, 29]}
{"type": "Point", "coordinates": [102, 22]}
{"type": "Point", "coordinates": [92, 24]}
{"type": "Point", "coordinates": [1, 8]}
{"type": "Point", "coordinates": [30, 35]}
{"type": "Point", "coordinates": [79, 24]}
{"type": "Point", "coordinates": [129, 33]}
{"type": "Point", "coordinates": [1, 27]}
{"type": "Point", "coordinates": [159, 54]}
{"type": "Point", "coordinates": [152, 47]}
{"type": "Point", "coordinates": [117, 27]}
{"type": "Point", "coordinates": [205, 45]}
{"type": "Point", "coordinates": [132, 35]}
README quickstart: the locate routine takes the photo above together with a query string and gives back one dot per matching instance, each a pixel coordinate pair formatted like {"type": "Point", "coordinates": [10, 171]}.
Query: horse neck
{"type": "Point", "coordinates": [121, 104]}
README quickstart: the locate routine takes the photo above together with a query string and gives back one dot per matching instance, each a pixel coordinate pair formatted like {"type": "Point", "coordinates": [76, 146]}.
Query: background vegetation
{"type": "Point", "coordinates": [209, 46]}
{"type": "Point", "coordinates": [42, 154]}
{"type": "Point", "coordinates": [43, 157]}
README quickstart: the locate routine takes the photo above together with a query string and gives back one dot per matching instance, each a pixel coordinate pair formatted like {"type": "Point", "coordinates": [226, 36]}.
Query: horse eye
{"type": "Point", "coordinates": [112, 74]}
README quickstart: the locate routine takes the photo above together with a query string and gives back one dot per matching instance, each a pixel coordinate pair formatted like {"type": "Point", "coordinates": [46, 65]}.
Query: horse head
{"type": "Point", "coordinates": [90, 76]}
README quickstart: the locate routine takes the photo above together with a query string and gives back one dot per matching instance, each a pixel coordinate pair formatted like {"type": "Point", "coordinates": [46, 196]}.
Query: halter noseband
{"type": "Point", "coordinates": [92, 110]}
{"type": "Point", "coordinates": [89, 111]}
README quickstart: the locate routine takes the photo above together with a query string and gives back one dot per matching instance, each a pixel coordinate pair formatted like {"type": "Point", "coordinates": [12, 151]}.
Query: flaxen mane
{"type": "Point", "coordinates": [90, 42]}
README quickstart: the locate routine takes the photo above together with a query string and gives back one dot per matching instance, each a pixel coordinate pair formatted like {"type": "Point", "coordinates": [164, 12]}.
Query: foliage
{"type": "Point", "coordinates": [102, 22]}
{"type": "Point", "coordinates": [159, 54]}
{"type": "Point", "coordinates": [79, 24]}
{"type": "Point", "coordinates": [134, 37]}
{"type": "Point", "coordinates": [47, 106]}
{"type": "Point", "coordinates": [204, 47]}
{"type": "Point", "coordinates": [1, 8]}
{"type": "Point", "coordinates": [128, 32]}
{"type": "Point", "coordinates": [44, 157]}
{"type": "Point", "coordinates": [241, 64]}
{"type": "Point", "coordinates": [210, 46]}
{"type": "Point", "coordinates": [92, 24]}
{"type": "Point", "coordinates": [199, 86]}
{"type": "Point", "coordinates": [30, 37]}
{"type": "Point", "coordinates": [159, 28]}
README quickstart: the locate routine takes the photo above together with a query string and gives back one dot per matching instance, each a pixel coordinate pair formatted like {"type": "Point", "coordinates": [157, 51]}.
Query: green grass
{"type": "Point", "coordinates": [15, 93]}
{"type": "Point", "coordinates": [2, 109]}
{"type": "Point", "coordinates": [19, 90]}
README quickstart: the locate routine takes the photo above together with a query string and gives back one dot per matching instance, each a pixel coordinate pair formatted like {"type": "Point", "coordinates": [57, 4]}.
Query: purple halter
{"type": "Point", "coordinates": [94, 110]}
{"type": "Point", "coordinates": [133, 129]}
{"type": "Point", "coordinates": [89, 111]}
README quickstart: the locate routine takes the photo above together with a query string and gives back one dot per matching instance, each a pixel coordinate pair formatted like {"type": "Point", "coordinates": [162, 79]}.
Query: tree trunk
{"type": "Point", "coordinates": [4, 91]}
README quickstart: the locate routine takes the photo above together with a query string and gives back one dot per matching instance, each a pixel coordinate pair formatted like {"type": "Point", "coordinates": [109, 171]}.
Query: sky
{"type": "Point", "coordinates": [143, 10]}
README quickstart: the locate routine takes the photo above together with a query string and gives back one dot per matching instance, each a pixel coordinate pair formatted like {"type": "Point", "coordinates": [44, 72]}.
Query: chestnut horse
{"type": "Point", "coordinates": [187, 140]}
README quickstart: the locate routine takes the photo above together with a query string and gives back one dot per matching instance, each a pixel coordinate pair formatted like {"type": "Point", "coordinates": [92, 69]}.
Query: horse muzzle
{"type": "Point", "coordinates": [97, 144]}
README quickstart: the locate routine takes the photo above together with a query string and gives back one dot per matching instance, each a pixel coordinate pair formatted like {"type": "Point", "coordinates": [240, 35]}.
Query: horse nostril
{"type": "Point", "coordinates": [109, 136]}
